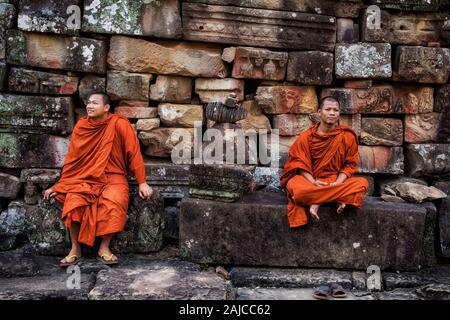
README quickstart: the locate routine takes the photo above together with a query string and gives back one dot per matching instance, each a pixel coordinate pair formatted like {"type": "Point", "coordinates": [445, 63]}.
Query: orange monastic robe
{"type": "Point", "coordinates": [324, 157]}
{"type": "Point", "coordinates": [93, 186]}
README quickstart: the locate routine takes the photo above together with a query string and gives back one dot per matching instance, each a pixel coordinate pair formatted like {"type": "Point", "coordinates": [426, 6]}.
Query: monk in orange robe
{"type": "Point", "coordinates": [320, 167]}
{"type": "Point", "coordinates": [93, 185]}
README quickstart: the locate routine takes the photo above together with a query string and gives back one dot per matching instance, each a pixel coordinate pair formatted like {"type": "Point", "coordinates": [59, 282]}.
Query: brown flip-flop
{"type": "Point", "coordinates": [75, 260]}
{"type": "Point", "coordinates": [322, 293]}
{"type": "Point", "coordinates": [107, 258]}
{"type": "Point", "coordinates": [337, 291]}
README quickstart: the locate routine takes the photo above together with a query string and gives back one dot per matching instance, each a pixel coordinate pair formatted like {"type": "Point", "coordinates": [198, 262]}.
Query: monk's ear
{"type": "Point", "coordinates": [107, 107]}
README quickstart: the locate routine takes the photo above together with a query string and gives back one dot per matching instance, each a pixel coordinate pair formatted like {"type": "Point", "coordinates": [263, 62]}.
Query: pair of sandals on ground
{"type": "Point", "coordinates": [105, 258]}
{"type": "Point", "coordinates": [333, 290]}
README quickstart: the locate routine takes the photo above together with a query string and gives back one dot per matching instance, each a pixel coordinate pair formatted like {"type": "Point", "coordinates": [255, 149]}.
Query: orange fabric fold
{"type": "Point", "coordinates": [324, 156]}
{"type": "Point", "coordinates": [93, 185]}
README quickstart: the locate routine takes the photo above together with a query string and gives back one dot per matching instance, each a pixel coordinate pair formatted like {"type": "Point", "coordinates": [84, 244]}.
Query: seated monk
{"type": "Point", "coordinates": [93, 186]}
{"type": "Point", "coordinates": [320, 167]}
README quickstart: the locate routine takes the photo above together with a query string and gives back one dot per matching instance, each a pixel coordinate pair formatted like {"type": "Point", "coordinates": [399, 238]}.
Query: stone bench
{"type": "Point", "coordinates": [254, 231]}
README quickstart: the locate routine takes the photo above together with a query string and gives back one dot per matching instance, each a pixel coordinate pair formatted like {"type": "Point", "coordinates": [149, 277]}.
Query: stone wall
{"type": "Point", "coordinates": [162, 61]}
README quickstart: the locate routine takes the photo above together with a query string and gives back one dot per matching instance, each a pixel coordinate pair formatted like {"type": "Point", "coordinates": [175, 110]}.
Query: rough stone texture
{"type": "Point", "coordinates": [381, 132]}
{"type": "Point", "coordinates": [436, 275]}
{"type": "Point", "coordinates": [273, 149]}
{"type": "Point", "coordinates": [404, 28]}
{"type": "Point", "coordinates": [136, 55]}
{"type": "Point", "coordinates": [32, 81]}
{"type": "Point", "coordinates": [442, 103]}
{"type": "Point", "coordinates": [171, 89]}
{"type": "Point", "coordinates": [147, 124]}
{"type": "Point", "coordinates": [3, 75]}
{"type": "Point", "coordinates": [267, 176]}
{"type": "Point", "coordinates": [255, 119]}
{"type": "Point", "coordinates": [287, 99]}
{"type": "Point", "coordinates": [422, 127]}
{"type": "Point", "coordinates": [137, 112]}
{"type": "Point", "coordinates": [266, 294]}
{"type": "Point", "coordinates": [159, 280]}
{"type": "Point", "coordinates": [180, 115]}
{"type": "Point", "coordinates": [2, 48]}
{"type": "Point", "coordinates": [418, 193]}
{"type": "Point", "coordinates": [9, 186]}
{"type": "Point", "coordinates": [36, 181]}
{"type": "Point", "coordinates": [161, 141]}
{"type": "Point", "coordinates": [340, 9]}
{"type": "Point", "coordinates": [291, 124]}
{"type": "Point", "coordinates": [220, 182]}
{"type": "Point", "coordinates": [142, 232]}
{"type": "Point", "coordinates": [358, 84]}
{"type": "Point", "coordinates": [388, 185]}
{"type": "Point", "coordinates": [428, 160]}
{"type": "Point", "coordinates": [171, 225]}
{"type": "Point", "coordinates": [381, 160]}
{"type": "Point", "coordinates": [226, 143]}
{"type": "Point", "coordinates": [7, 18]}
{"type": "Point", "coordinates": [258, 27]}
{"type": "Point", "coordinates": [32, 151]}
{"type": "Point", "coordinates": [91, 83]}
{"type": "Point", "coordinates": [171, 180]}
{"type": "Point", "coordinates": [407, 5]}
{"type": "Point", "coordinates": [422, 64]}
{"type": "Point", "coordinates": [412, 99]}
{"type": "Point", "coordinates": [442, 185]}
{"type": "Point", "coordinates": [376, 99]}
{"type": "Point", "coordinates": [56, 52]}
{"type": "Point", "coordinates": [353, 240]}
{"type": "Point", "coordinates": [444, 228]}
{"type": "Point", "coordinates": [347, 31]}
{"type": "Point", "coordinates": [128, 86]}
{"type": "Point", "coordinates": [48, 16]}
{"type": "Point", "coordinates": [288, 278]}
{"type": "Point", "coordinates": [51, 287]}
{"type": "Point", "coordinates": [37, 114]}
{"type": "Point", "coordinates": [217, 90]}
{"type": "Point", "coordinates": [310, 67]}
{"type": "Point", "coordinates": [256, 63]}
{"type": "Point", "coordinates": [133, 17]}
{"type": "Point", "coordinates": [353, 120]}
{"type": "Point", "coordinates": [363, 60]}
{"type": "Point", "coordinates": [13, 224]}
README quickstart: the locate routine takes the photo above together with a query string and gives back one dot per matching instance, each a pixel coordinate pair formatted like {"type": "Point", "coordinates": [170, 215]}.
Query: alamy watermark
{"type": "Point", "coordinates": [227, 146]}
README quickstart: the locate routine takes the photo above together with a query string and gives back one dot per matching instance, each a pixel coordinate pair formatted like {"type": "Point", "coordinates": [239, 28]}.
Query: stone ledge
{"type": "Point", "coordinates": [254, 232]}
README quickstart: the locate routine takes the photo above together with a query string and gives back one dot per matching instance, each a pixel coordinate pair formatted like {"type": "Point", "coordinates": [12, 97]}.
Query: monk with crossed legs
{"type": "Point", "coordinates": [320, 167]}
{"type": "Point", "coordinates": [93, 185]}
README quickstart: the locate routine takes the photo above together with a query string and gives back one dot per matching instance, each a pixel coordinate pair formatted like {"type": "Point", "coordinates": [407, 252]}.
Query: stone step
{"type": "Point", "coordinates": [254, 231]}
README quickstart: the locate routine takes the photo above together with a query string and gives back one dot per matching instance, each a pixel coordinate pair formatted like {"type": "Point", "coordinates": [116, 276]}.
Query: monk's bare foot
{"type": "Point", "coordinates": [341, 208]}
{"type": "Point", "coordinates": [75, 253]}
{"type": "Point", "coordinates": [107, 256]}
{"type": "Point", "coordinates": [313, 209]}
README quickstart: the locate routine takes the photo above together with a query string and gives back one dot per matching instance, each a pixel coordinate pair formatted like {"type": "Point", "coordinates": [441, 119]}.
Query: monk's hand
{"type": "Point", "coordinates": [335, 183]}
{"type": "Point", "coordinates": [320, 183]}
{"type": "Point", "coordinates": [49, 193]}
{"type": "Point", "coordinates": [145, 191]}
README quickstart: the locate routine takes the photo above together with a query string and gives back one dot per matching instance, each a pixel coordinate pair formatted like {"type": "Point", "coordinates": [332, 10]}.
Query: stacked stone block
{"type": "Point", "coordinates": [161, 61]}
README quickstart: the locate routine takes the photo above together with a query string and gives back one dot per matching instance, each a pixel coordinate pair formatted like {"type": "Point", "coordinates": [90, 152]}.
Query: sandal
{"type": "Point", "coordinates": [75, 260]}
{"type": "Point", "coordinates": [337, 291]}
{"type": "Point", "coordinates": [322, 293]}
{"type": "Point", "coordinates": [107, 258]}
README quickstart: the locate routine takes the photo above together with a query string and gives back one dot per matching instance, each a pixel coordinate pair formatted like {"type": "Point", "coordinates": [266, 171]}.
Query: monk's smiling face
{"type": "Point", "coordinates": [329, 113]}
{"type": "Point", "coordinates": [96, 107]}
